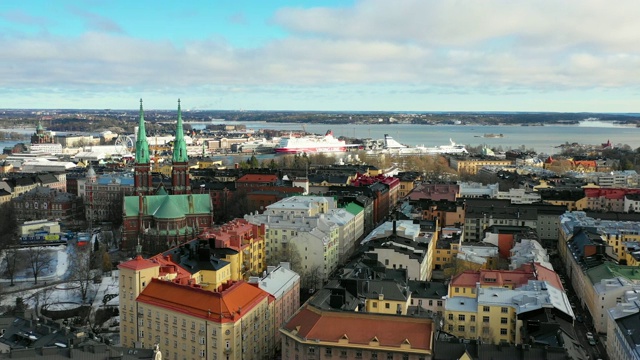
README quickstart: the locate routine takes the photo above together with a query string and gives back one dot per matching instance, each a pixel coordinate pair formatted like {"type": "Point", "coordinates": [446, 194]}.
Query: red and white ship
{"type": "Point", "coordinates": [310, 144]}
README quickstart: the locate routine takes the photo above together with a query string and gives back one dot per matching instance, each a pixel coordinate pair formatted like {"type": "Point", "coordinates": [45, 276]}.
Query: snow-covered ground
{"type": "Point", "coordinates": [58, 296]}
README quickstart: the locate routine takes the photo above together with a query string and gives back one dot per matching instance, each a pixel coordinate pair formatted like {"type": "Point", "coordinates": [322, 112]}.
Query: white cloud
{"type": "Point", "coordinates": [445, 46]}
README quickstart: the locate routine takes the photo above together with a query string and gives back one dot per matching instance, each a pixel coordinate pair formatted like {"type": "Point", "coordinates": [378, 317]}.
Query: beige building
{"type": "Point", "coordinates": [471, 166]}
{"type": "Point", "coordinates": [161, 303]}
{"type": "Point", "coordinates": [313, 333]}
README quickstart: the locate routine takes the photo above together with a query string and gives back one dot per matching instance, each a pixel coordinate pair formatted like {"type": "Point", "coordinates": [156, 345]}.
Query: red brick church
{"type": "Point", "coordinates": [156, 219]}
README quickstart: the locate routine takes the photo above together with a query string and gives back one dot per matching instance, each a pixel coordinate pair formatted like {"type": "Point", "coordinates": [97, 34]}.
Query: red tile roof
{"type": "Point", "coordinates": [545, 274]}
{"type": "Point", "coordinates": [258, 178]}
{"type": "Point", "coordinates": [139, 263]}
{"type": "Point", "coordinates": [226, 306]}
{"type": "Point", "coordinates": [500, 278]}
{"type": "Point", "coordinates": [517, 277]}
{"type": "Point", "coordinates": [361, 328]}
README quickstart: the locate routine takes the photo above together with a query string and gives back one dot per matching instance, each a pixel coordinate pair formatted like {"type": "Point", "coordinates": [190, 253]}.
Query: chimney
{"type": "Point", "coordinates": [394, 227]}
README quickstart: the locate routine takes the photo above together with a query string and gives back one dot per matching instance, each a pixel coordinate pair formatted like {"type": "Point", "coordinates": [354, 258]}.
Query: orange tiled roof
{"type": "Point", "coordinates": [361, 328]}
{"type": "Point", "coordinates": [225, 306]}
{"type": "Point", "coordinates": [517, 278]}
{"type": "Point", "coordinates": [545, 274]}
{"type": "Point", "coordinates": [139, 263]}
{"type": "Point", "coordinates": [469, 278]}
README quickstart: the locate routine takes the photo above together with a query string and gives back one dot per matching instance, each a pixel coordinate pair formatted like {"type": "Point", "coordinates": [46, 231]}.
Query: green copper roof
{"type": "Point", "coordinates": [142, 146]}
{"type": "Point", "coordinates": [169, 206]}
{"type": "Point", "coordinates": [39, 127]}
{"type": "Point", "coordinates": [162, 191]}
{"type": "Point", "coordinates": [353, 208]}
{"type": "Point", "coordinates": [610, 270]}
{"type": "Point", "coordinates": [179, 145]}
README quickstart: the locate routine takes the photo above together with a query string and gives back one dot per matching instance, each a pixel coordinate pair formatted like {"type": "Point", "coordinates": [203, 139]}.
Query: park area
{"type": "Point", "coordinates": [59, 283]}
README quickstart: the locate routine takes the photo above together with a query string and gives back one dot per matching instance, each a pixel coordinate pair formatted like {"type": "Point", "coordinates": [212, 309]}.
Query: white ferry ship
{"type": "Point", "coordinates": [310, 144]}
{"type": "Point", "coordinates": [393, 147]}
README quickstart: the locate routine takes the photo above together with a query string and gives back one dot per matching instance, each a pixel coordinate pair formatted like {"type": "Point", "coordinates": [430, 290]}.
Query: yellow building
{"type": "Point", "coordinates": [482, 304]}
{"type": "Point", "coordinates": [471, 166]}
{"type": "Point", "coordinates": [445, 251]}
{"type": "Point", "coordinates": [492, 316]}
{"type": "Point", "coordinates": [386, 297]}
{"type": "Point", "coordinates": [314, 333]}
{"type": "Point", "coordinates": [161, 303]}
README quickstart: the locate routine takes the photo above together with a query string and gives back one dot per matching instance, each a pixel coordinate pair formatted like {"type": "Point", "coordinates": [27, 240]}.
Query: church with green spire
{"type": "Point", "coordinates": [180, 161]}
{"type": "Point", "coordinates": [155, 219]}
{"type": "Point", "coordinates": [41, 136]}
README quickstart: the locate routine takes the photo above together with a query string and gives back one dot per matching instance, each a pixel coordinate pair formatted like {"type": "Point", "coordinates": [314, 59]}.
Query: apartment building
{"type": "Point", "coordinates": [284, 285]}
{"type": "Point", "coordinates": [495, 314]}
{"type": "Point", "coordinates": [314, 333]}
{"type": "Point", "coordinates": [163, 303]}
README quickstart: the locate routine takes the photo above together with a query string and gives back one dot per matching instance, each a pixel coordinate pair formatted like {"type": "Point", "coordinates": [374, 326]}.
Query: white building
{"type": "Point", "coordinates": [479, 255]}
{"type": "Point", "coordinates": [609, 293]}
{"type": "Point", "coordinates": [623, 328]}
{"type": "Point", "coordinates": [404, 228]}
{"type": "Point", "coordinates": [346, 231]}
{"type": "Point", "coordinates": [519, 196]}
{"type": "Point", "coordinates": [45, 165]}
{"type": "Point", "coordinates": [309, 223]}
{"type": "Point", "coordinates": [318, 254]}
{"type": "Point", "coordinates": [526, 252]}
{"type": "Point", "coordinates": [396, 252]}
{"type": "Point", "coordinates": [45, 149]}
{"type": "Point", "coordinates": [476, 190]}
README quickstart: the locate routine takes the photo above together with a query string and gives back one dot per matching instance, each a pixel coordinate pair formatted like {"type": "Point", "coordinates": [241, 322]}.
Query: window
{"type": "Point", "coordinates": [374, 304]}
{"type": "Point", "coordinates": [387, 305]}
{"type": "Point", "coordinates": [450, 316]}
{"type": "Point", "coordinates": [312, 350]}
{"type": "Point", "coordinates": [485, 319]}
{"type": "Point", "coordinates": [461, 317]}
{"type": "Point", "coordinates": [504, 310]}
{"type": "Point", "coordinates": [343, 353]}
{"type": "Point", "coordinates": [503, 320]}
{"type": "Point", "coordinates": [485, 308]}
{"type": "Point", "coordinates": [472, 329]}
{"type": "Point", "coordinates": [389, 356]}
{"type": "Point", "coordinates": [503, 331]}
{"type": "Point", "coordinates": [327, 352]}
{"type": "Point", "coordinates": [473, 318]}
{"type": "Point", "coordinates": [358, 354]}
{"type": "Point", "coordinates": [460, 327]}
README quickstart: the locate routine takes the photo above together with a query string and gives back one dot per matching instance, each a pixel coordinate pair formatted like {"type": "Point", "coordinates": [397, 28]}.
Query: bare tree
{"type": "Point", "coordinates": [82, 273]}
{"type": "Point", "coordinates": [311, 278]}
{"type": "Point", "coordinates": [9, 238]}
{"type": "Point", "coordinates": [12, 258]}
{"type": "Point", "coordinates": [8, 226]}
{"type": "Point", "coordinates": [287, 252]}
{"type": "Point", "coordinates": [39, 259]}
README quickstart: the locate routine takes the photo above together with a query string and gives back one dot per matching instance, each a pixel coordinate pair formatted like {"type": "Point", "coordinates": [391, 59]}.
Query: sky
{"type": "Point", "coordinates": [374, 55]}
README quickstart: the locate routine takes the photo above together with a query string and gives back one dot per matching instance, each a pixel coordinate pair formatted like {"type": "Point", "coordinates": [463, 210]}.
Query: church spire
{"type": "Point", "coordinates": [142, 146]}
{"type": "Point", "coordinates": [179, 145]}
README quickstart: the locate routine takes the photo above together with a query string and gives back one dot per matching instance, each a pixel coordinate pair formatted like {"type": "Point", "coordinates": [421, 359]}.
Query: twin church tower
{"type": "Point", "coordinates": [143, 183]}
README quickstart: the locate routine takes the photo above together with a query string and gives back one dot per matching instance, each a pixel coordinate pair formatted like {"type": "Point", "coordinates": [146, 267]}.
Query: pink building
{"type": "Point", "coordinates": [435, 192]}
{"type": "Point", "coordinates": [284, 285]}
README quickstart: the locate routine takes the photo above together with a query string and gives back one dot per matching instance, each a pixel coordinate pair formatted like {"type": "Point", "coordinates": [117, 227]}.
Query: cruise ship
{"type": "Point", "coordinates": [391, 146]}
{"type": "Point", "coordinates": [310, 144]}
